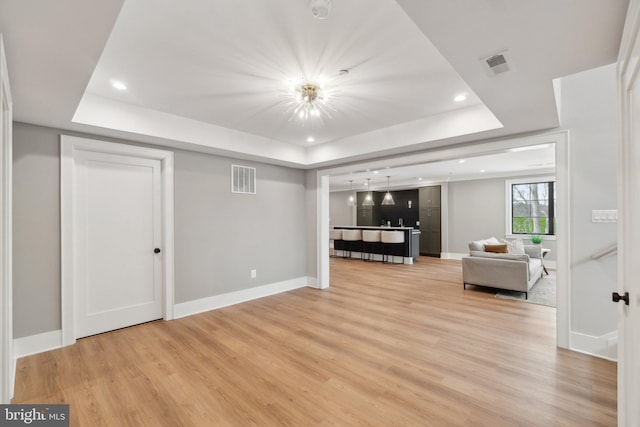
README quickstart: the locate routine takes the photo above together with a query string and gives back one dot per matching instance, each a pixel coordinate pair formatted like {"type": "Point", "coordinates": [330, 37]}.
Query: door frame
{"type": "Point", "coordinates": [7, 359]}
{"type": "Point", "coordinates": [628, 70]}
{"type": "Point", "coordinates": [69, 147]}
{"type": "Point", "coordinates": [561, 141]}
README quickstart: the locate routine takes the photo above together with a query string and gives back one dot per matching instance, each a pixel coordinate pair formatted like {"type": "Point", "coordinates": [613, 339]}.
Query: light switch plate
{"type": "Point", "coordinates": [604, 215]}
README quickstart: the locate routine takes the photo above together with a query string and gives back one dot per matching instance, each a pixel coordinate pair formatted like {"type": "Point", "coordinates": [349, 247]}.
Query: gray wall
{"type": "Point", "coordinates": [476, 211]}
{"type": "Point", "coordinates": [589, 113]}
{"type": "Point", "coordinates": [219, 236]}
{"type": "Point", "coordinates": [36, 230]}
{"type": "Point", "coordinates": [339, 212]}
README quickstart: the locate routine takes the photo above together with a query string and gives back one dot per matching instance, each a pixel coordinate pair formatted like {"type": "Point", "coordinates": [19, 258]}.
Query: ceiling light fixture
{"type": "Point", "coordinates": [310, 139]}
{"type": "Point", "coordinates": [368, 199]}
{"type": "Point", "coordinates": [320, 8]}
{"type": "Point", "coordinates": [460, 97]}
{"type": "Point", "coordinates": [351, 201]}
{"type": "Point", "coordinates": [388, 198]}
{"type": "Point", "coordinates": [309, 101]}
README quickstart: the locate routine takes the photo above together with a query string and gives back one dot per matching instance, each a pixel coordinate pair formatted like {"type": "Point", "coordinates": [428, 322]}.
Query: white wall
{"type": "Point", "coordinates": [589, 113]}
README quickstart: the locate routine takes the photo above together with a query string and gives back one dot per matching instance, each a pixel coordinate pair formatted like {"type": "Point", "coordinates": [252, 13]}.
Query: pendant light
{"type": "Point", "coordinates": [388, 198]}
{"type": "Point", "coordinates": [368, 199]}
{"type": "Point", "coordinates": [351, 201]}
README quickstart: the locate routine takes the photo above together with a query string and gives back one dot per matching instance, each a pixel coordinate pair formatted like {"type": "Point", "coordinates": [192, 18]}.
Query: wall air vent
{"type": "Point", "coordinates": [497, 63]}
{"type": "Point", "coordinates": [243, 179]}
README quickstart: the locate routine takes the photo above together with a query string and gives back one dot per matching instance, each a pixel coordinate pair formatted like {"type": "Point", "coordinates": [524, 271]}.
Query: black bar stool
{"type": "Point", "coordinates": [349, 237]}
{"type": "Point", "coordinates": [334, 235]}
{"type": "Point", "coordinates": [369, 239]}
{"type": "Point", "coordinates": [390, 240]}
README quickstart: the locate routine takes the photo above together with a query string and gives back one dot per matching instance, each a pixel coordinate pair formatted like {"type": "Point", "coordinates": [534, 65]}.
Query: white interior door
{"type": "Point", "coordinates": [629, 221]}
{"type": "Point", "coordinates": [118, 220]}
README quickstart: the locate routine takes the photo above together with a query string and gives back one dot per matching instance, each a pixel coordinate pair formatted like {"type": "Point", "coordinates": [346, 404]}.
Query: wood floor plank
{"type": "Point", "coordinates": [385, 345]}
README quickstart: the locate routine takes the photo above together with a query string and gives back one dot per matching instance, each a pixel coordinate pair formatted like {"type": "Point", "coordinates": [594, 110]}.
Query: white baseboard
{"type": "Point", "coordinates": [35, 344]}
{"type": "Point", "coordinates": [312, 282]}
{"type": "Point", "coordinates": [375, 257]}
{"type": "Point", "coordinates": [218, 301]}
{"type": "Point", "coordinates": [452, 255]}
{"type": "Point", "coordinates": [604, 346]}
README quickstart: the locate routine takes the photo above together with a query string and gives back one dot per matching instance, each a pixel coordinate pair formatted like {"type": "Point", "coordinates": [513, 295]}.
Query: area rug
{"type": "Point", "coordinates": [542, 293]}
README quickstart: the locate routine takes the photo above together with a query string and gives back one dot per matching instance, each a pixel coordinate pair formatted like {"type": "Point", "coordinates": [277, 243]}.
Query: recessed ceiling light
{"type": "Point", "coordinates": [310, 139]}
{"type": "Point", "coordinates": [376, 171]}
{"type": "Point", "coordinates": [461, 161]}
{"type": "Point", "coordinates": [419, 179]}
{"type": "Point", "coordinates": [118, 85]}
{"type": "Point", "coordinates": [460, 97]}
{"type": "Point", "coordinates": [482, 171]}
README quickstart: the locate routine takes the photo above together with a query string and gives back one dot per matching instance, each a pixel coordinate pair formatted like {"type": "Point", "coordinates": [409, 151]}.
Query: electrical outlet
{"type": "Point", "coordinates": [254, 274]}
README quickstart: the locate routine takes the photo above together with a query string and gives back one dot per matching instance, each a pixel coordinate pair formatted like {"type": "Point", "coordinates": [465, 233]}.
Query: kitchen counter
{"type": "Point", "coordinates": [409, 251]}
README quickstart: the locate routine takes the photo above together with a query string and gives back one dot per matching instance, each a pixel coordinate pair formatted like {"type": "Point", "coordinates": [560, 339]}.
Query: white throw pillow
{"type": "Point", "coordinates": [478, 245]}
{"type": "Point", "coordinates": [515, 247]}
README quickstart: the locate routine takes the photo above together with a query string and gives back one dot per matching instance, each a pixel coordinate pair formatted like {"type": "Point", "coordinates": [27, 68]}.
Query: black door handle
{"type": "Point", "coordinates": [615, 297]}
{"type": "Point", "coordinates": [156, 250]}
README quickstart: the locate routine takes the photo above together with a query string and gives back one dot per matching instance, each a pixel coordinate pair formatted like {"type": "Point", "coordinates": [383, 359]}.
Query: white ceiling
{"type": "Point", "coordinates": [527, 160]}
{"type": "Point", "coordinates": [212, 75]}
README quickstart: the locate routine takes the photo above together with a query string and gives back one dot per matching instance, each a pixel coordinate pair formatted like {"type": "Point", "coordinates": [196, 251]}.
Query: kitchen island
{"type": "Point", "coordinates": [409, 251]}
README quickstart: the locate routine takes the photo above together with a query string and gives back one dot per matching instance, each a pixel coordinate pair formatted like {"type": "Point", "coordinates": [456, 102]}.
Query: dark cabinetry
{"type": "Point", "coordinates": [430, 220]}
{"type": "Point", "coordinates": [367, 215]}
{"type": "Point", "coordinates": [405, 208]}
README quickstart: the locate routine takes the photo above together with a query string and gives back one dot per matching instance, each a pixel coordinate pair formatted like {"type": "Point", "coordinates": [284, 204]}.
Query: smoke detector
{"type": "Point", "coordinates": [497, 63]}
{"type": "Point", "coordinates": [320, 8]}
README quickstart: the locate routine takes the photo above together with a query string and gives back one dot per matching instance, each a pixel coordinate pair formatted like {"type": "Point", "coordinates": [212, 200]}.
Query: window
{"type": "Point", "coordinates": [531, 206]}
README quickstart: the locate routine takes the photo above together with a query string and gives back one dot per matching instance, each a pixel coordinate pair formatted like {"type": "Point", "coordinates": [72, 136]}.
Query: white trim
{"type": "Point", "coordinates": [7, 358]}
{"type": "Point", "coordinates": [375, 257]}
{"type": "Point", "coordinates": [444, 217]}
{"type": "Point", "coordinates": [604, 346]}
{"type": "Point", "coordinates": [628, 207]}
{"type": "Point", "coordinates": [453, 255]}
{"type": "Point", "coordinates": [322, 231]}
{"type": "Point", "coordinates": [525, 237]}
{"type": "Point", "coordinates": [563, 236]}
{"type": "Point", "coordinates": [69, 145]}
{"type": "Point", "coordinates": [312, 282]}
{"type": "Point", "coordinates": [218, 301]}
{"type": "Point", "coordinates": [508, 202]}
{"type": "Point", "coordinates": [39, 343]}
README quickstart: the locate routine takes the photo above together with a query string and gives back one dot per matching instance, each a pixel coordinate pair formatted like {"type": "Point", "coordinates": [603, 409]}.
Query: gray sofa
{"type": "Point", "coordinates": [510, 271]}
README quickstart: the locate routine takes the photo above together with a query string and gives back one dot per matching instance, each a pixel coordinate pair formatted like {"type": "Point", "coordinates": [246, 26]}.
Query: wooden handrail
{"type": "Point", "coordinates": [609, 250]}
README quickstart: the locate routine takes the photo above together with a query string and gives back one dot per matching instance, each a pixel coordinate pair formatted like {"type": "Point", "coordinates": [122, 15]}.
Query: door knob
{"type": "Point", "coordinates": [156, 250]}
{"type": "Point", "coordinates": [615, 297]}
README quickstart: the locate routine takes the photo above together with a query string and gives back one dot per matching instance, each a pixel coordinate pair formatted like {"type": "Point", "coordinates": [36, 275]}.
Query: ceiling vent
{"type": "Point", "coordinates": [497, 64]}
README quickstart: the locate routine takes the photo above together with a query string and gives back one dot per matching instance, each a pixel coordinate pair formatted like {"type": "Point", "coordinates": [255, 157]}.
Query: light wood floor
{"type": "Point", "coordinates": [388, 345]}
